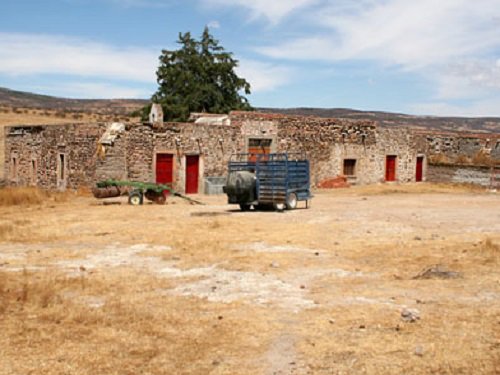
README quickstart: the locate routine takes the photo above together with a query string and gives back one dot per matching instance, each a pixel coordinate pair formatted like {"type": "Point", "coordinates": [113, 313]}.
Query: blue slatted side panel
{"type": "Point", "coordinates": [272, 178]}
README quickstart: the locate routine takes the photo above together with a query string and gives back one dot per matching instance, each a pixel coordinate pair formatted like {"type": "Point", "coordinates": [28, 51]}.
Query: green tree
{"type": "Point", "coordinates": [199, 77]}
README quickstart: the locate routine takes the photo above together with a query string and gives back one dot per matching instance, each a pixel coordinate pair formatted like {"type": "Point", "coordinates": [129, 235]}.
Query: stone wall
{"type": "Point", "coordinates": [460, 148]}
{"type": "Point", "coordinates": [52, 156]}
{"type": "Point", "coordinates": [213, 143]}
{"type": "Point", "coordinates": [49, 152]}
{"type": "Point", "coordinates": [463, 174]}
{"type": "Point", "coordinates": [327, 142]}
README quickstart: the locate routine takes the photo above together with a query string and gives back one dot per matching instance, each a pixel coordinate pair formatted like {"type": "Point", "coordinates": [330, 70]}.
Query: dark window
{"type": "Point", "coordinates": [33, 171]}
{"type": "Point", "coordinates": [62, 171]}
{"type": "Point", "coordinates": [13, 168]}
{"type": "Point", "coordinates": [259, 142]}
{"type": "Point", "coordinates": [349, 167]}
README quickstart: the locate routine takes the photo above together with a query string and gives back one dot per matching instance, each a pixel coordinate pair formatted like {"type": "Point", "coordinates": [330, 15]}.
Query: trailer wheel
{"type": "Point", "coordinates": [160, 199]}
{"type": "Point", "coordinates": [135, 198]}
{"type": "Point", "coordinates": [245, 207]}
{"type": "Point", "coordinates": [291, 202]}
{"type": "Point", "coordinates": [279, 206]}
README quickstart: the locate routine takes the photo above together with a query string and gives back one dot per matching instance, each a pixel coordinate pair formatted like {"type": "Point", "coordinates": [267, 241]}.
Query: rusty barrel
{"type": "Point", "coordinates": [107, 192]}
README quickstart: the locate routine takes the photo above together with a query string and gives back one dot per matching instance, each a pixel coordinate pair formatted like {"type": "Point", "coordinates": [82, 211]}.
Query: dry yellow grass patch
{"type": "Point", "coordinates": [22, 196]}
{"type": "Point", "coordinates": [413, 188]}
{"type": "Point", "coordinates": [110, 324]}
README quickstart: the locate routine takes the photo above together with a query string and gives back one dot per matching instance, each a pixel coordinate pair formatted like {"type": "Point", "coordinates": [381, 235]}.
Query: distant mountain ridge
{"type": "Point", "coordinates": [20, 99]}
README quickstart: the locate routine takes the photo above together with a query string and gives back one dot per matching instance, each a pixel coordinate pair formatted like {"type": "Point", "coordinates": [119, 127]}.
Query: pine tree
{"type": "Point", "coordinates": [199, 77]}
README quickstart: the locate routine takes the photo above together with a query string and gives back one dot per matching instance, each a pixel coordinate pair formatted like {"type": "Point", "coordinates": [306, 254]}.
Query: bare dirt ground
{"type": "Point", "coordinates": [87, 288]}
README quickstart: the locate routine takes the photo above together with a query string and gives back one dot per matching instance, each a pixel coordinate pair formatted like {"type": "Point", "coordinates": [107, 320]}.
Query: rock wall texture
{"type": "Point", "coordinates": [52, 157]}
{"type": "Point", "coordinates": [459, 148]}
{"type": "Point", "coordinates": [328, 142]}
{"type": "Point", "coordinates": [460, 174]}
{"type": "Point", "coordinates": [70, 156]}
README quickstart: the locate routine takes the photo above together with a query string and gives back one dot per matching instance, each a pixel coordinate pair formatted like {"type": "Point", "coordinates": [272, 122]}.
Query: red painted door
{"type": "Point", "coordinates": [390, 168]}
{"type": "Point", "coordinates": [420, 168]}
{"type": "Point", "coordinates": [192, 172]}
{"type": "Point", "coordinates": [165, 169]}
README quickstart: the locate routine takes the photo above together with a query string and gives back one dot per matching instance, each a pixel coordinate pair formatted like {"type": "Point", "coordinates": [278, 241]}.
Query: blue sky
{"type": "Point", "coordinates": [434, 57]}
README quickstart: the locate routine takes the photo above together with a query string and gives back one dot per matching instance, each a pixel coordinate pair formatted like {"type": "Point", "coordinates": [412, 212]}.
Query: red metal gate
{"type": "Point", "coordinates": [165, 169]}
{"type": "Point", "coordinates": [192, 172]}
{"type": "Point", "coordinates": [390, 168]}
{"type": "Point", "coordinates": [420, 169]}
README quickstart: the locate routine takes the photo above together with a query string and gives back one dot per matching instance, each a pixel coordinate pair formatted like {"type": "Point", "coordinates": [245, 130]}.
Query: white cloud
{"type": "Point", "coordinates": [480, 108]}
{"type": "Point", "coordinates": [213, 24]}
{"type": "Point", "coordinates": [472, 78]}
{"type": "Point", "coordinates": [31, 54]}
{"type": "Point", "coordinates": [92, 90]}
{"type": "Point", "coordinates": [272, 10]}
{"type": "Point", "coordinates": [264, 76]}
{"type": "Point", "coordinates": [412, 34]}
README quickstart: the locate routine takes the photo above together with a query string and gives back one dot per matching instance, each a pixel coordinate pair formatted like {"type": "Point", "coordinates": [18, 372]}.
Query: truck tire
{"type": "Point", "coordinates": [291, 202]}
{"type": "Point", "coordinates": [244, 207]}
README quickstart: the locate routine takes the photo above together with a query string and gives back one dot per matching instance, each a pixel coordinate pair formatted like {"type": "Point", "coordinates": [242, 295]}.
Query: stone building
{"type": "Point", "coordinates": [186, 155]}
{"type": "Point", "coordinates": [156, 113]}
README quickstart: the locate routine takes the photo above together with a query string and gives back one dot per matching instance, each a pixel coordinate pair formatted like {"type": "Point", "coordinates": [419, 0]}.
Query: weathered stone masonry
{"type": "Point", "coordinates": [70, 156]}
{"type": "Point", "coordinates": [52, 157]}
{"type": "Point", "coordinates": [328, 142]}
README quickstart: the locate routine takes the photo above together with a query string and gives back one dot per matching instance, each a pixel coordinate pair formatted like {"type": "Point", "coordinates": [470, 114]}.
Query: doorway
{"type": "Point", "coordinates": [192, 173]}
{"type": "Point", "coordinates": [420, 169]}
{"type": "Point", "coordinates": [390, 168]}
{"type": "Point", "coordinates": [165, 170]}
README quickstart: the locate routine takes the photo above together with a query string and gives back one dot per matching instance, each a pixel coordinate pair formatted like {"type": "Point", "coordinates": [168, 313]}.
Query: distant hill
{"type": "Point", "coordinates": [124, 107]}
{"type": "Point", "coordinates": [20, 99]}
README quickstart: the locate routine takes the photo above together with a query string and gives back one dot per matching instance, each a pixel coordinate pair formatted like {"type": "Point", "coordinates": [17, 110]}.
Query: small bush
{"type": "Point", "coordinates": [462, 159]}
{"type": "Point", "coordinates": [439, 159]}
{"type": "Point", "coordinates": [481, 158]}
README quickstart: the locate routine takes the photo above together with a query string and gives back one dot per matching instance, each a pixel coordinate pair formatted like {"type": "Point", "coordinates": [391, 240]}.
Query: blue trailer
{"type": "Point", "coordinates": [268, 180]}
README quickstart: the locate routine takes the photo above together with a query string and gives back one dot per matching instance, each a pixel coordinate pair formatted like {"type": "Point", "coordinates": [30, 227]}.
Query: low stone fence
{"type": "Point", "coordinates": [464, 174]}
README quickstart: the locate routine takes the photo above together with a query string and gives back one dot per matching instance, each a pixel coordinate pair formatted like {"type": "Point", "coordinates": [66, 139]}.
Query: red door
{"type": "Point", "coordinates": [165, 169]}
{"type": "Point", "coordinates": [192, 171]}
{"type": "Point", "coordinates": [420, 168]}
{"type": "Point", "coordinates": [390, 168]}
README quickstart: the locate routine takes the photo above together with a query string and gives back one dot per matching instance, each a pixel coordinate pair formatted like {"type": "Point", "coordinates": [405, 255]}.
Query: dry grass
{"type": "Point", "coordinates": [439, 159]}
{"type": "Point", "coordinates": [22, 196]}
{"type": "Point", "coordinates": [414, 188]}
{"type": "Point", "coordinates": [353, 255]}
{"type": "Point", "coordinates": [481, 158]}
{"type": "Point", "coordinates": [57, 323]}
{"type": "Point", "coordinates": [29, 196]}
{"type": "Point", "coordinates": [489, 251]}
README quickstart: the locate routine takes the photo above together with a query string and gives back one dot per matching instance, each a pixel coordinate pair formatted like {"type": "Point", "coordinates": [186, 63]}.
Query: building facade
{"type": "Point", "coordinates": [186, 155]}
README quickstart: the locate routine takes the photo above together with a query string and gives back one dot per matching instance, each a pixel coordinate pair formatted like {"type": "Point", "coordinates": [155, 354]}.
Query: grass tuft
{"type": "Point", "coordinates": [31, 196]}
{"type": "Point", "coordinates": [24, 196]}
